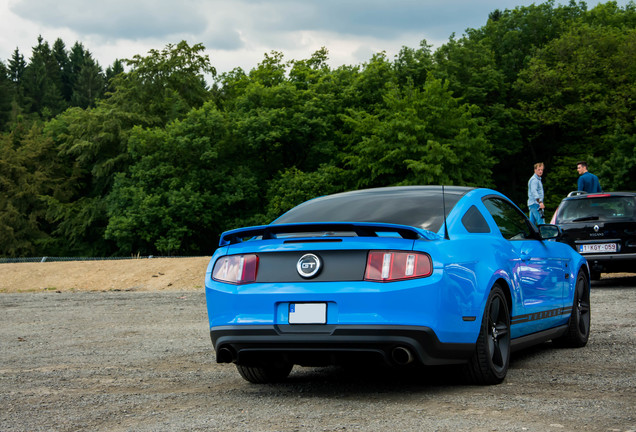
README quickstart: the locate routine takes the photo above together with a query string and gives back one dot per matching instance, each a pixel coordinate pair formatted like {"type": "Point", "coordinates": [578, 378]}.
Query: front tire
{"type": "Point", "coordinates": [489, 364]}
{"type": "Point", "coordinates": [265, 374]}
{"type": "Point", "coordinates": [578, 331]}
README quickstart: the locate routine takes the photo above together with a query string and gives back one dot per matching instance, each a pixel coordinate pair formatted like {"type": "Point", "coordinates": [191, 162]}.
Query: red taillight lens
{"type": "Point", "coordinates": [388, 266]}
{"type": "Point", "coordinates": [236, 269]}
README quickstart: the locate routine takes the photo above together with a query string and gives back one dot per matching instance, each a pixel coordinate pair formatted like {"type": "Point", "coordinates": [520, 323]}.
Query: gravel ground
{"type": "Point", "coordinates": [143, 361]}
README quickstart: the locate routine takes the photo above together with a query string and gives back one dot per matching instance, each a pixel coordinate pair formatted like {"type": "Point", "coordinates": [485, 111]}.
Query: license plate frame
{"type": "Point", "coordinates": [598, 248]}
{"type": "Point", "coordinates": [308, 313]}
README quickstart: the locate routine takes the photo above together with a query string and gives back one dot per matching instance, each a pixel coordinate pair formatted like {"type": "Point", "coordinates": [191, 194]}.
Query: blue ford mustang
{"type": "Point", "coordinates": [425, 275]}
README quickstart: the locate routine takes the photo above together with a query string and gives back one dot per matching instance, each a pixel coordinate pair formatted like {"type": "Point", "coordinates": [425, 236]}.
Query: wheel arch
{"type": "Point", "coordinates": [503, 284]}
{"type": "Point", "coordinates": [585, 268]}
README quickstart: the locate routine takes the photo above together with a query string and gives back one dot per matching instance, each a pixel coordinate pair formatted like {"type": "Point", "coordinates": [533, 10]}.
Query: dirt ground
{"type": "Point", "coordinates": [136, 361]}
{"type": "Point", "coordinates": [124, 346]}
{"type": "Point", "coordinates": [144, 274]}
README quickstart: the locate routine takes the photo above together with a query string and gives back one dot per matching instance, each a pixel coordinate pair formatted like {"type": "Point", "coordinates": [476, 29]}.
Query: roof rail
{"type": "Point", "coordinates": [577, 192]}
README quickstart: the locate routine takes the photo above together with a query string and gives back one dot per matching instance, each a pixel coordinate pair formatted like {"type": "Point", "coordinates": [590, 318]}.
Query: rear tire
{"type": "Point", "coordinates": [489, 364]}
{"type": "Point", "coordinates": [266, 373]}
{"type": "Point", "coordinates": [578, 331]}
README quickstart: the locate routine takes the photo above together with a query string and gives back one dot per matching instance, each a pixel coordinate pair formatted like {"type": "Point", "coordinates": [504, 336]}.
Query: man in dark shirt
{"type": "Point", "coordinates": [588, 182]}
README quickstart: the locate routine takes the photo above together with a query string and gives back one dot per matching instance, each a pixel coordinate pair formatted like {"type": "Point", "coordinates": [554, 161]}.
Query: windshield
{"type": "Point", "coordinates": [601, 209]}
{"type": "Point", "coordinates": [417, 206]}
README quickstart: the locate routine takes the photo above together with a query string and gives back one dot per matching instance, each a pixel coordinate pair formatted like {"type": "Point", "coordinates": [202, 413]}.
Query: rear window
{"type": "Point", "coordinates": [599, 208]}
{"type": "Point", "coordinates": [421, 207]}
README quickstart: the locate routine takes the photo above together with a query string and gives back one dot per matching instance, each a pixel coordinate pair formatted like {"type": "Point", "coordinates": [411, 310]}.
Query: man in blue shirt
{"type": "Point", "coordinates": [535, 195]}
{"type": "Point", "coordinates": [588, 182]}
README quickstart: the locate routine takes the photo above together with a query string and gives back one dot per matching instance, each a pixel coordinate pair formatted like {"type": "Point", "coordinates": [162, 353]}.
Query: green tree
{"type": "Point", "coordinates": [179, 193]}
{"type": "Point", "coordinates": [618, 168]}
{"type": "Point", "coordinates": [469, 68]}
{"type": "Point", "coordinates": [6, 96]}
{"type": "Point", "coordinates": [482, 67]}
{"type": "Point", "coordinates": [577, 99]}
{"type": "Point", "coordinates": [419, 137]}
{"type": "Point", "coordinates": [93, 142]}
{"type": "Point", "coordinates": [89, 84]}
{"type": "Point", "coordinates": [292, 187]}
{"type": "Point", "coordinates": [42, 82]}
{"type": "Point", "coordinates": [515, 34]}
{"type": "Point", "coordinates": [27, 172]}
{"type": "Point", "coordinates": [16, 67]}
{"type": "Point", "coordinates": [282, 123]}
{"type": "Point", "coordinates": [413, 65]}
{"type": "Point", "coordinates": [63, 68]}
{"type": "Point", "coordinates": [111, 72]}
{"type": "Point", "coordinates": [165, 84]}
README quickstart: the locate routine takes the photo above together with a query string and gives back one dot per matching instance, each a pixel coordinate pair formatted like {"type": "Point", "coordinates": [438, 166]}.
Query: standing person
{"type": "Point", "coordinates": [535, 195]}
{"type": "Point", "coordinates": [588, 182]}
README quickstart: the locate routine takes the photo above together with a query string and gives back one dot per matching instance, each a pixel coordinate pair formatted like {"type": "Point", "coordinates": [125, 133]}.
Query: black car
{"type": "Point", "coordinates": [602, 228]}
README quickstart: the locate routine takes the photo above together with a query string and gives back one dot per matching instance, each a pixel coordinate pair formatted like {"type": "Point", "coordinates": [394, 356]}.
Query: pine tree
{"type": "Point", "coordinates": [112, 72]}
{"type": "Point", "coordinates": [89, 83]}
{"type": "Point", "coordinates": [17, 66]}
{"type": "Point", "coordinates": [6, 96]}
{"type": "Point", "coordinates": [42, 82]}
{"type": "Point", "coordinates": [63, 66]}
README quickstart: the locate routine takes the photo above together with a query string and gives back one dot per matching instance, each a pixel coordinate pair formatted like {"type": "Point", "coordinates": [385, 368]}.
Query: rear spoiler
{"type": "Point", "coordinates": [362, 229]}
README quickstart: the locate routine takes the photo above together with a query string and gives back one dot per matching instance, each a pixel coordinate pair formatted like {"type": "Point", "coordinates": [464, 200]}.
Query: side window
{"type": "Point", "coordinates": [511, 222]}
{"type": "Point", "coordinates": [474, 221]}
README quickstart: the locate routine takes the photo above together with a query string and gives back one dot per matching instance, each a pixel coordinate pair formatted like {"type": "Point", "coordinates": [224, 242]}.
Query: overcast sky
{"type": "Point", "coordinates": [237, 33]}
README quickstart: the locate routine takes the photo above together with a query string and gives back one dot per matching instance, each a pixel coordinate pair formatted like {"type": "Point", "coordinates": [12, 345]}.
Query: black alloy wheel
{"type": "Point", "coordinates": [489, 364]}
{"type": "Point", "coordinates": [578, 331]}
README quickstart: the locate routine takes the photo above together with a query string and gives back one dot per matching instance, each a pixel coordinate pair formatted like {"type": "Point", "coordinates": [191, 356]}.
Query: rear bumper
{"type": "Point", "coordinates": [611, 262]}
{"type": "Point", "coordinates": [334, 344]}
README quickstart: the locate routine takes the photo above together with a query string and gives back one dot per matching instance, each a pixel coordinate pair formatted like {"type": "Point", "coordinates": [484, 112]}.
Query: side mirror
{"type": "Point", "coordinates": [549, 231]}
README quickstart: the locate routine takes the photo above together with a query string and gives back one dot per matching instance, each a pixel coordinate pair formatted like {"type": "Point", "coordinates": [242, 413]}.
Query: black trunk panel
{"type": "Point", "coordinates": [337, 265]}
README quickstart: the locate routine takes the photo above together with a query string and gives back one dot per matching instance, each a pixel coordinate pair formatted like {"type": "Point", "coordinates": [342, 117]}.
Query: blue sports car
{"type": "Point", "coordinates": [426, 275]}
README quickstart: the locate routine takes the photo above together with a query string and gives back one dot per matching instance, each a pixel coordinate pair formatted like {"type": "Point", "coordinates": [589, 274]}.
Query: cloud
{"type": "Point", "coordinates": [118, 19]}
{"type": "Point", "coordinates": [370, 18]}
{"type": "Point", "coordinates": [237, 33]}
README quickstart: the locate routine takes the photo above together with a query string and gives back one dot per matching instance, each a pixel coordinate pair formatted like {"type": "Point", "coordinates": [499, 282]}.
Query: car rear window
{"type": "Point", "coordinates": [601, 208]}
{"type": "Point", "coordinates": [417, 207]}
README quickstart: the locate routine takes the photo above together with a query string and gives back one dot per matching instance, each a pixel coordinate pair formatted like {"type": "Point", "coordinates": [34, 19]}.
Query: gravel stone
{"type": "Point", "coordinates": [143, 361]}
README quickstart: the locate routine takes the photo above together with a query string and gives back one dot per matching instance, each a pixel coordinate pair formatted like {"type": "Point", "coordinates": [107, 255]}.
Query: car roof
{"type": "Point", "coordinates": [424, 207]}
{"type": "Point", "coordinates": [575, 195]}
{"type": "Point", "coordinates": [453, 190]}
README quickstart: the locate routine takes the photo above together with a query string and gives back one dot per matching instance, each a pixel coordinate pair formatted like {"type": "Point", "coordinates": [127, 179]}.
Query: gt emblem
{"type": "Point", "coordinates": [308, 266]}
{"type": "Point", "coordinates": [595, 228]}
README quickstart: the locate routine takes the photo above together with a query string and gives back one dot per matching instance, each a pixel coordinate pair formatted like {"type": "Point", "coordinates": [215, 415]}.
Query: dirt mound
{"type": "Point", "coordinates": [147, 274]}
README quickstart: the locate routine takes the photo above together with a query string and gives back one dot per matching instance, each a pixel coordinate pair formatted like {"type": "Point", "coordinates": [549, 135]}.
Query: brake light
{"type": "Point", "coordinates": [389, 266]}
{"type": "Point", "coordinates": [236, 269]}
{"type": "Point", "coordinates": [597, 196]}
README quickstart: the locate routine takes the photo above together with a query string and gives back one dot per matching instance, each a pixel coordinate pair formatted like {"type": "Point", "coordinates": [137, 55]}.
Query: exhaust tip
{"type": "Point", "coordinates": [224, 355]}
{"type": "Point", "coordinates": [402, 356]}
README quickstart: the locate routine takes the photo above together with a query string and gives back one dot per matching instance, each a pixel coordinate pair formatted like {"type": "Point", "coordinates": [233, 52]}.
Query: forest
{"type": "Point", "coordinates": [159, 154]}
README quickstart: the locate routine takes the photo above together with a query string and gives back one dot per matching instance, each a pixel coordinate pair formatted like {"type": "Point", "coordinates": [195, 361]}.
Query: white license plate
{"type": "Point", "coordinates": [308, 313]}
{"type": "Point", "coordinates": [597, 248]}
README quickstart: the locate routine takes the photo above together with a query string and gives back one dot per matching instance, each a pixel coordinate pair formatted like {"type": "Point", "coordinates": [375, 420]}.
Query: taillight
{"type": "Point", "coordinates": [388, 266]}
{"type": "Point", "coordinates": [236, 269]}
